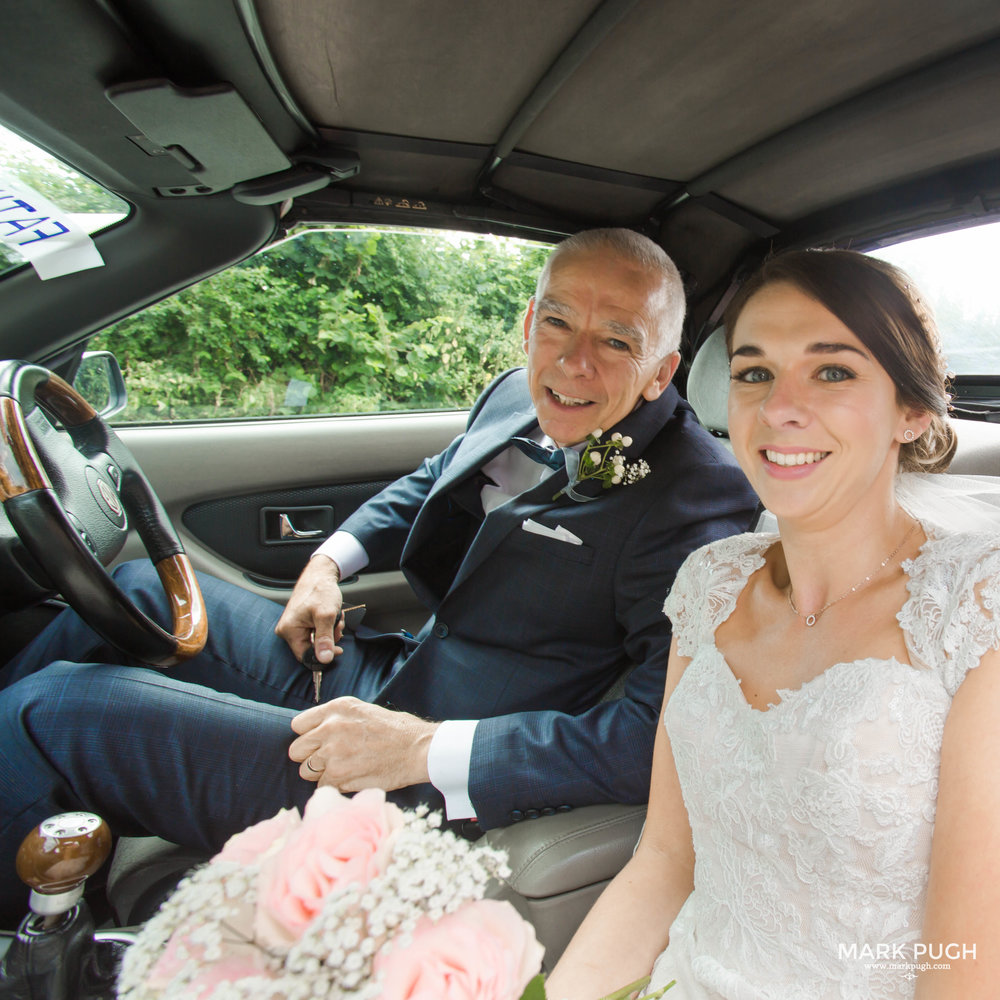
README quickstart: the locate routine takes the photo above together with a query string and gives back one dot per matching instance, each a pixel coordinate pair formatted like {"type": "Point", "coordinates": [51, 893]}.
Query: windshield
{"type": "Point", "coordinates": [30, 176]}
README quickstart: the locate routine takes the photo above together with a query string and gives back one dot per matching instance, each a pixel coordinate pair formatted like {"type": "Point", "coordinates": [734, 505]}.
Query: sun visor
{"type": "Point", "coordinates": [210, 131]}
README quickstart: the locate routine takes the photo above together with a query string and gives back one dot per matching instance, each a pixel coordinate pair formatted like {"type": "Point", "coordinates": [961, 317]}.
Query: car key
{"type": "Point", "coordinates": [312, 664]}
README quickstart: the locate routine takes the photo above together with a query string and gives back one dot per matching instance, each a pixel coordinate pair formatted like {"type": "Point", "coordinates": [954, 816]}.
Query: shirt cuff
{"type": "Point", "coordinates": [346, 551]}
{"type": "Point", "coordinates": [448, 762]}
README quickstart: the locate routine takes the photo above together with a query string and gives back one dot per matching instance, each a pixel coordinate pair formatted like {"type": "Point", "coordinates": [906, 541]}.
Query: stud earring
{"type": "Point", "coordinates": [908, 435]}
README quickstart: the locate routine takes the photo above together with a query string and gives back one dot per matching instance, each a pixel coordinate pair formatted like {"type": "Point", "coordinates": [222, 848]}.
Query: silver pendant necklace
{"type": "Point", "coordinates": [811, 619]}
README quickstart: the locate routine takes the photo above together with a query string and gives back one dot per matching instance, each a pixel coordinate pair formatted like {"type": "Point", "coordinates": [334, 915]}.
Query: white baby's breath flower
{"type": "Point", "coordinates": [605, 463]}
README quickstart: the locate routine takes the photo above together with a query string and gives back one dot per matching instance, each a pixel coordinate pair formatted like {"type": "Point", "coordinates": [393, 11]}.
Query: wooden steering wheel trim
{"type": "Point", "coordinates": [186, 604]}
{"type": "Point", "coordinates": [64, 401]}
{"type": "Point", "coordinates": [20, 469]}
{"type": "Point", "coordinates": [36, 513]}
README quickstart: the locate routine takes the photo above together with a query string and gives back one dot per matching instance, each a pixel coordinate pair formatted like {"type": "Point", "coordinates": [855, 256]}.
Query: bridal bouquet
{"type": "Point", "coordinates": [354, 900]}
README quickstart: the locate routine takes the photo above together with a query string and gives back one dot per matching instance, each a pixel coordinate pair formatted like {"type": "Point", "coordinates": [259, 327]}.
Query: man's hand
{"type": "Point", "coordinates": [351, 745]}
{"type": "Point", "coordinates": [312, 615]}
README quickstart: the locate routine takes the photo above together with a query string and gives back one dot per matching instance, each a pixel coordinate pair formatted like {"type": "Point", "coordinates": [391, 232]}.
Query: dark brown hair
{"type": "Point", "coordinates": [879, 304]}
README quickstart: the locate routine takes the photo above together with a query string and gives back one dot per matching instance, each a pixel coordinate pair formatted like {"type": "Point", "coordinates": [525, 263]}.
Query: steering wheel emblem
{"type": "Point", "coordinates": [108, 500]}
{"type": "Point", "coordinates": [110, 497]}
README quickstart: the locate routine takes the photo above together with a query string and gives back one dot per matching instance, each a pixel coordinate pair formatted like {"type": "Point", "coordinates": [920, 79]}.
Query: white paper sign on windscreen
{"type": "Point", "coordinates": [42, 233]}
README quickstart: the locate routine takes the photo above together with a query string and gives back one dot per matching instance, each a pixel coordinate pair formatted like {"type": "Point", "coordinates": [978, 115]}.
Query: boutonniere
{"type": "Point", "coordinates": [604, 461]}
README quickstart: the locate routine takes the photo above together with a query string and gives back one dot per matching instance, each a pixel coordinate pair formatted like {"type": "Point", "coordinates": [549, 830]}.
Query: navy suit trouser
{"type": "Point", "coordinates": [191, 754]}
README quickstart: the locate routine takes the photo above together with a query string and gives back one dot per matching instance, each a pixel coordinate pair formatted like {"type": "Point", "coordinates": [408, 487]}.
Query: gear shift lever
{"type": "Point", "coordinates": [56, 954]}
{"type": "Point", "coordinates": [57, 857]}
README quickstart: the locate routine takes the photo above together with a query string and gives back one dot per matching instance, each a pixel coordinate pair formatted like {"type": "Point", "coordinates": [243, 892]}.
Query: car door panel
{"type": "Point", "coordinates": [271, 534]}
{"type": "Point", "coordinates": [226, 485]}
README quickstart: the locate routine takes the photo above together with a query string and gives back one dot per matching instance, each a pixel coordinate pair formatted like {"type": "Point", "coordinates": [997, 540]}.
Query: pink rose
{"type": "Point", "coordinates": [240, 957]}
{"type": "Point", "coordinates": [340, 841]}
{"type": "Point", "coordinates": [484, 951]}
{"type": "Point", "coordinates": [261, 839]}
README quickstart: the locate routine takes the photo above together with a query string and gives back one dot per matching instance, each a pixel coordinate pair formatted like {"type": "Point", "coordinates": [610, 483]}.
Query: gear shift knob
{"type": "Point", "coordinates": [57, 857]}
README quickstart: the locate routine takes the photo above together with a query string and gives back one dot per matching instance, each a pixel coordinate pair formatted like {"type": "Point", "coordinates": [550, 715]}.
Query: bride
{"type": "Point", "coordinates": [824, 819]}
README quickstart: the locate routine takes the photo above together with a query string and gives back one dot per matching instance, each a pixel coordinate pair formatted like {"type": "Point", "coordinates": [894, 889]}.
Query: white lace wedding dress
{"type": "Point", "coordinates": [812, 820]}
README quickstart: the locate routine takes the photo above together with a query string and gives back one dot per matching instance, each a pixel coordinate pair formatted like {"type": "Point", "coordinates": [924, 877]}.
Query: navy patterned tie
{"type": "Point", "coordinates": [553, 458]}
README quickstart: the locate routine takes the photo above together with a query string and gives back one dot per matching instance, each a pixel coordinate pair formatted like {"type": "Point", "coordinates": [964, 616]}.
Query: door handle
{"type": "Point", "coordinates": [291, 525]}
{"type": "Point", "coordinates": [287, 530]}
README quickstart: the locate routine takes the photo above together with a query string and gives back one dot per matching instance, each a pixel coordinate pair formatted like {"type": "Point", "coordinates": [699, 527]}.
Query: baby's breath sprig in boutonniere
{"type": "Point", "coordinates": [603, 460]}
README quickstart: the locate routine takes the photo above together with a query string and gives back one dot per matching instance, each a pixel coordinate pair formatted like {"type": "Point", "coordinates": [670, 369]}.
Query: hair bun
{"type": "Point", "coordinates": [932, 451]}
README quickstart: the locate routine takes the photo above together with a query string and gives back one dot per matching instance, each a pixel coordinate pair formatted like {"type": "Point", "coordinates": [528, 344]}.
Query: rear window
{"type": "Point", "coordinates": [957, 273]}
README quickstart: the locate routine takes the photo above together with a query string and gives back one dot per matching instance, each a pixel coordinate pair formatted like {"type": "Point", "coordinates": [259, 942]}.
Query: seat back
{"type": "Point", "coordinates": [708, 384]}
{"type": "Point", "coordinates": [560, 864]}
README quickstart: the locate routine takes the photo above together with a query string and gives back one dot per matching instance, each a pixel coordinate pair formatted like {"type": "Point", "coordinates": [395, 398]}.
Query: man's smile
{"type": "Point", "coordinates": [569, 400]}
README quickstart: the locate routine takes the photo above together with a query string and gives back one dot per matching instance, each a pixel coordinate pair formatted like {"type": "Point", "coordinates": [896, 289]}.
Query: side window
{"type": "Point", "coordinates": [957, 272]}
{"type": "Point", "coordinates": [42, 198]}
{"type": "Point", "coordinates": [332, 321]}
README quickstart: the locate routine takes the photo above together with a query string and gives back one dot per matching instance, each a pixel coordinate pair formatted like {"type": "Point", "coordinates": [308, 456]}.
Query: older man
{"type": "Point", "coordinates": [544, 566]}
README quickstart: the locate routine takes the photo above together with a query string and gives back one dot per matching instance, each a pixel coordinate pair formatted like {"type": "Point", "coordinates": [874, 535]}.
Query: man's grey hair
{"type": "Point", "coordinates": [634, 248]}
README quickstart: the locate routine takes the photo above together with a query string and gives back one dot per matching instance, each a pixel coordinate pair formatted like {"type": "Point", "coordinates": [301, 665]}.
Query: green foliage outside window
{"type": "Point", "coordinates": [347, 321]}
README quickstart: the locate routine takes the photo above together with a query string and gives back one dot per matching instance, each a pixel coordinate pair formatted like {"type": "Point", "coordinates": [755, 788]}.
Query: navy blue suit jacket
{"type": "Point", "coordinates": [528, 633]}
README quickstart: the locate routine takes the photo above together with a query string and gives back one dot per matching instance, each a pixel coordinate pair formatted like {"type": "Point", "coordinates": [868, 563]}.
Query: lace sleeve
{"type": "Point", "coordinates": [680, 604]}
{"type": "Point", "coordinates": [708, 585]}
{"type": "Point", "coordinates": [953, 615]}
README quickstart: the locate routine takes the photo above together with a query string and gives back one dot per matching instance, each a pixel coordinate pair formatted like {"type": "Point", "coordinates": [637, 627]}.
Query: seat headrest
{"type": "Point", "coordinates": [708, 383]}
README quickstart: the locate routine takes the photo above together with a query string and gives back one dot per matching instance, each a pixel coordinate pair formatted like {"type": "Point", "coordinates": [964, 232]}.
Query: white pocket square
{"type": "Point", "coordinates": [559, 533]}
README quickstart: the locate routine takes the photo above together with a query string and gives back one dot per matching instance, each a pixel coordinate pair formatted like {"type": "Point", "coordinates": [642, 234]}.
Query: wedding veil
{"type": "Point", "coordinates": [951, 503]}
{"type": "Point", "coordinates": [939, 500]}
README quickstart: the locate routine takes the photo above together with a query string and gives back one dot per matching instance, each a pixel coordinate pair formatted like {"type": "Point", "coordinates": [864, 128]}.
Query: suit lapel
{"type": "Point", "coordinates": [481, 445]}
{"type": "Point", "coordinates": [488, 442]}
{"type": "Point", "coordinates": [505, 519]}
{"type": "Point", "coordinates": [482, 442]}
{"type": "Point", "coordinates": [486, 439]}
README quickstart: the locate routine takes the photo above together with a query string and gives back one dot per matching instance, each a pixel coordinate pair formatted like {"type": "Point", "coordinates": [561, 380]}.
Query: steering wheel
{"type": "Point", "coordinates": [69, 488]}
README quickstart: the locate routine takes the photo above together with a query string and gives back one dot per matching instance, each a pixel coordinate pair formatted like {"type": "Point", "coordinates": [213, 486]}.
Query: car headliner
{"type": "Point", "coordinates": [721, 129]}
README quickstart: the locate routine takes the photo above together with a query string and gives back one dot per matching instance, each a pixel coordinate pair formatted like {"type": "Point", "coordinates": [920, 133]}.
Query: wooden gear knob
{"type": "Point", "coordinates": [58, 855]}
